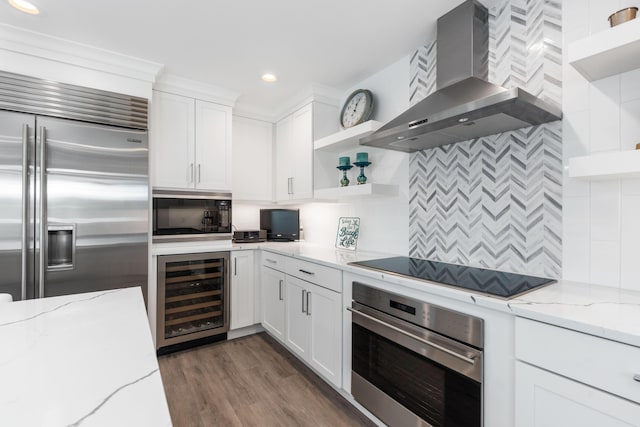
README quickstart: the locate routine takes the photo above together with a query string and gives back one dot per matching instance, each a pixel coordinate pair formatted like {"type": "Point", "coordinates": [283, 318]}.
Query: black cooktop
{"type": "Point", "coordinates": [491, 282]}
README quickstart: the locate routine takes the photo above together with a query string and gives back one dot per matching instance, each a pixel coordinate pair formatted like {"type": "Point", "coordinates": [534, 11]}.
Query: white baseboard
{"type": "Point", "coordinates": [243, 332]}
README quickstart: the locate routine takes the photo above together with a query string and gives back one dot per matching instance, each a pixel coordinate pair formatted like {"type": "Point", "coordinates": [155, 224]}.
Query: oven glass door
{"type": "Point", "coordinates": [437, 394]}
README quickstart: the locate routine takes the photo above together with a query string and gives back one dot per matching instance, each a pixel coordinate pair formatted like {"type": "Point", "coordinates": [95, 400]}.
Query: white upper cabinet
{"type": "Point", "coordinates": [294, 149]}
{"type": "Point", "coordinates": [302, 150]}
{"type": "Point", "coordinates": [284, 158]}
{"type": "Point", "coordinates": [213, 146]}
{"type": "Point", "coordinates": [172, 140]}
{"type": "Point", "coordinates": [190, 143]}
{"type": "Point", "coordinates": [252, 159]}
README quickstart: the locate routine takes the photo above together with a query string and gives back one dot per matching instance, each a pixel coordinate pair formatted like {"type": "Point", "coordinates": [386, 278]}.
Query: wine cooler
{"type": "Point", "coordinates": [193, 297]}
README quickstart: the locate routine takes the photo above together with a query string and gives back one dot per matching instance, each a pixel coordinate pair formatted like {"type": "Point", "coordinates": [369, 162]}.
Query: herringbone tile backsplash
{"type": "Point", "coordinates": [496, 201]}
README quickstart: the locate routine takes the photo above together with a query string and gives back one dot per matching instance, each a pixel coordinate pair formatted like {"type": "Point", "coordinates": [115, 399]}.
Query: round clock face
{"type": "Point", "coordinates": [357, 108]}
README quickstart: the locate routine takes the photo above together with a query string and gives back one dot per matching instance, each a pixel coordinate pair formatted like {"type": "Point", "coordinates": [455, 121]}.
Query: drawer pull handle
{"type": "Point", "coordinates": [271, 261]}
{"type": "Point", "coordinates": [470, 360]}
{"type": "Point", "coordinates": [636, 377]}
{"type": "Point", "coordinates": [310, 273]}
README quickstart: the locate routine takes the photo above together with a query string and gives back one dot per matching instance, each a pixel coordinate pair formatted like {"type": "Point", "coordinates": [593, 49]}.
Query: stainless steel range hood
{"type": "Point", "coordinates": [465, 105]}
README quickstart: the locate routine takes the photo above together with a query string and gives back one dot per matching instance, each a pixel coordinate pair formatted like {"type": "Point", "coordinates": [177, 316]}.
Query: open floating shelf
{"type": "Point", "coordinates": [609, 165]}
{"type": "Point", "coordinates": [613, 51]}
{"type": "Point", "coordinates": [356, 191]}
{"type": "Point", "coordinates": [346, 139]}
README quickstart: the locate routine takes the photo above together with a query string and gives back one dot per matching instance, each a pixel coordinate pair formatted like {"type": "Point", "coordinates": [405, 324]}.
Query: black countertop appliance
{"type": "Point", "coordinates": [481, 280]}
{"type": "Point", "coordinates": [282, 225]}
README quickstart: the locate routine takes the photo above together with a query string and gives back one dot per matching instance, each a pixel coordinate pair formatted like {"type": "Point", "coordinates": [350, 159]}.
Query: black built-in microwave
{"type": "Point", "coordinates": [190, 216]}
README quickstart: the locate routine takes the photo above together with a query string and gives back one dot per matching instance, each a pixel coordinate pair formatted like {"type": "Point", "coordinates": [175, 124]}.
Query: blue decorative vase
{"type": "Point", "coordinates": [362, 179]}
{"type": "Point", "coordinates": [344, 168]}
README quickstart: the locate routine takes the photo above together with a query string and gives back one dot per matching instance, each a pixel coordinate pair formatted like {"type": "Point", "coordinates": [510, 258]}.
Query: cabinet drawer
{"type": "Point", "coordinates": [604, 364]}
{"type": "Point", "coordinates": [275, 261]}
{"type": "Point", "coordinates": [326, 277]}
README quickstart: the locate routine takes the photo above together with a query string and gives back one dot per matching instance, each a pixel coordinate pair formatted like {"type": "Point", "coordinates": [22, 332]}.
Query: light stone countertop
{"type": "Point", "coordinates": [602, 311]}
{"type": "Point", "coordinates": [80, 360]}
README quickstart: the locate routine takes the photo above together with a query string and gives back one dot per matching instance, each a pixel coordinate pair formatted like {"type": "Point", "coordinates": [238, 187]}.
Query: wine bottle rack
{"type": "Point", "coordinates": [192, 296]}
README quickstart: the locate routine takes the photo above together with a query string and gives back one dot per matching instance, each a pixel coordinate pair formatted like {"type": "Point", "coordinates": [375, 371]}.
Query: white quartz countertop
{"type": "Point", "coordinates": [80, 360]}
{"type": "Point", "coordinates": [602, 311]}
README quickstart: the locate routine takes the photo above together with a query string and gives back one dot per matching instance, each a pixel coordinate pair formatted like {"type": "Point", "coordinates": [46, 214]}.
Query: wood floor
{"type": "Point", "coordinates": [250, 381]}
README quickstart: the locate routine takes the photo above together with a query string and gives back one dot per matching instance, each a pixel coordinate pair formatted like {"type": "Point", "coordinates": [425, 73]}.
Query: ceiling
{"type": "Point", "coordinates": [231, 43]}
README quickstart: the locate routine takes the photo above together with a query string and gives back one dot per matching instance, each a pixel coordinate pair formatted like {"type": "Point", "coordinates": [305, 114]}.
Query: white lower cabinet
{"type": "Point", "coordinates": [314, 327]}
{"type": "Point", "coordinates": [325, 333]}
{"type": "Point", "coordinates": [273, 302]}
{"type": "Point", "coordinates": [566, 378]}
{"type": "Point", "coordinates": [305, 316]}
{"type": "Point", "coordinates": [242, 290]}
{"type": "Point", "coordinates": [545, 399]}
{"type": "Point", "coordinates": [296, 317]}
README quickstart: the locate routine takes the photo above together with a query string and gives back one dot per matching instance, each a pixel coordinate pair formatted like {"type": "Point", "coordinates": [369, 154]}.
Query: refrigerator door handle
{"type": "Point", "coordinates": [43, 212]}
{"type": "Point", "coordinates": [25, 208]}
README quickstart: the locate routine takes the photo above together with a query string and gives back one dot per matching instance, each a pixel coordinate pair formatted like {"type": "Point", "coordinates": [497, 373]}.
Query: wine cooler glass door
{"type": "Point", "coordinates": [192, 296]}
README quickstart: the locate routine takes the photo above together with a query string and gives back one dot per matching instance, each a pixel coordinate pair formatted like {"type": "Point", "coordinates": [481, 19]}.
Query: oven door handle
{"type": "Point", "coordinates": [469, 360]}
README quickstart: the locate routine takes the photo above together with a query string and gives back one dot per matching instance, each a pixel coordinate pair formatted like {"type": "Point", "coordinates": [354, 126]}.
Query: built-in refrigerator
{"type": "Point", "coordinates": [74, 190]}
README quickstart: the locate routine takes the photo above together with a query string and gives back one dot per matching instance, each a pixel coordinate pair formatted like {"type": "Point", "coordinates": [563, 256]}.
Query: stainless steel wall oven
{"type": "Point", "coordinates": [193, 297]}
{"type": "Point", "coordinates": [415, 363]}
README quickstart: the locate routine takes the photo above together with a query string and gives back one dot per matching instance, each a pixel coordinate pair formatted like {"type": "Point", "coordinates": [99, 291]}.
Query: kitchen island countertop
{"type": "Point", "coordinates": [80, 360]}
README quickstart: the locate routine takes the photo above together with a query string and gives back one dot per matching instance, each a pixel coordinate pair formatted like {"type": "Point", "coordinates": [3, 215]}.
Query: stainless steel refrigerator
{"type": "Point", "coordinates": [74, 195]}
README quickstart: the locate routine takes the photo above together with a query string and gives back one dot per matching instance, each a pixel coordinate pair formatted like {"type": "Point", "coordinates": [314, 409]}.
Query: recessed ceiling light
{"type": "Point", "coordinates": [269, 78]}
{"type": "Point", "coordinates": [25, 6]}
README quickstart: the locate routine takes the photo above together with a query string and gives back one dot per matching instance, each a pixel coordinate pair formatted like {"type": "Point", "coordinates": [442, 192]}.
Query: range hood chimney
{"type": "Point", "coordinates": [465, 105]}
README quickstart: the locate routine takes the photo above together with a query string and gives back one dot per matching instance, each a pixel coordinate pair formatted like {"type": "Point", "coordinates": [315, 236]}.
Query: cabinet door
{"type": "Point", "coordinates": [172, 141]}
{"type": "Point", "coordinates": [296, 317]}
{"type": "Point", "coordinates": [284, 158]}
{"type": "Point", "coordinates": [242, 289]}
{"type": "Point", "coordinates": [544, 399]}
{"type": "Point", "coordinates": [252, 159]}
{"type": "Point", "coordinates": [213, 146]}
{"type": "Point", "coordinates": [325, 354]}
{"type": "Point", "coordinates": [302, 148]}
{"type": "Point", "coordinates": [273, 293]}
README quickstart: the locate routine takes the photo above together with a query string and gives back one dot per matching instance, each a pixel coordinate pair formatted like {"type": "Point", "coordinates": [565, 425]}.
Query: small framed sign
{"type": "Point", "coordinates": [348, 231]}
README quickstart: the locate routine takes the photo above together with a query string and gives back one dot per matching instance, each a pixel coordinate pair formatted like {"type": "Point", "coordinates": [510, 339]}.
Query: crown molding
{"type": "Point", "coordinates": [30, 48]}
{"type": "Point", "coordinates": [313, 93]}
{"type": "Point", "coordinates": [207, 92]}
{"type": "Point", "coordinates": [250, 111]}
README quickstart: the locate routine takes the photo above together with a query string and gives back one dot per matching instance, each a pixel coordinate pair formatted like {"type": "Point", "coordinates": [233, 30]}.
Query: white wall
{"type": "Point", "coordinates": [601, 220]}
{"type": "Point", "coordinates": [390, 88]}
{"type": "Point", "coordinates": [384, 222]}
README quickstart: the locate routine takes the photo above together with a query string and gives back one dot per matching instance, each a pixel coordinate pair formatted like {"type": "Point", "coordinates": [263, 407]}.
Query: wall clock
{"type": "Point", "coordinates": [357, 108]}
